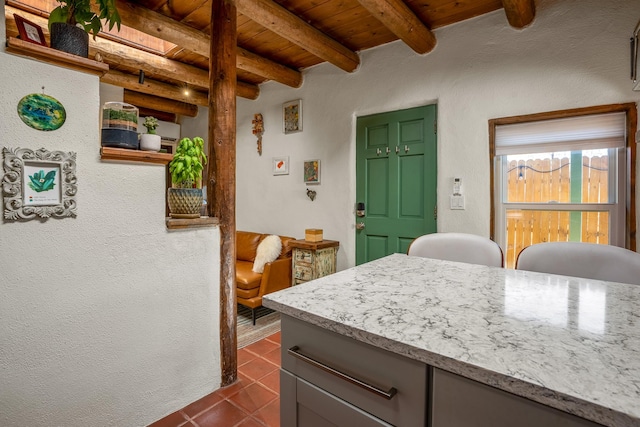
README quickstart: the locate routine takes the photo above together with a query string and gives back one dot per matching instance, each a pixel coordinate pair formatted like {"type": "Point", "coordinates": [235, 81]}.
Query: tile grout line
{"type": "Point", "coordinates": [254, 412]}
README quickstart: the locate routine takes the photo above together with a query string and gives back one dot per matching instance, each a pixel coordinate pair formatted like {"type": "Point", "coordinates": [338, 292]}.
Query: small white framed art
{"type": "Point", "coordinates": [281, 165]}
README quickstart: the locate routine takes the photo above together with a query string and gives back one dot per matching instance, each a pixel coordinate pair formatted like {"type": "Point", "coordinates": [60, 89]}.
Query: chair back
{"type": "Point", "coordinates": [461, 247]}
{"type": "Point", "coordinates": [588, 260]}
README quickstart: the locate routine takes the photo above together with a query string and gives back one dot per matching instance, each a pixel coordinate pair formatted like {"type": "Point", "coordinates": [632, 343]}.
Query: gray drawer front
{"type": "Point", "coordinates": [459, 401]}
{"type": "Point", "coordinates": [317, 408]}
{"type": "Point", "coordinates": [364, 362]}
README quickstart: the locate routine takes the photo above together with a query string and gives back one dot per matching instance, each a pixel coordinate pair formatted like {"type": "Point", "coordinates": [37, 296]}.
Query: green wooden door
{"type": "Point", "coordinates": [396, 180]}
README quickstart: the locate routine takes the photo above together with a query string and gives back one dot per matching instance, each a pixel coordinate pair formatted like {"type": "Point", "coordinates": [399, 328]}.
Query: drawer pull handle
{"type": "Point", "coordinates": [294, 351]}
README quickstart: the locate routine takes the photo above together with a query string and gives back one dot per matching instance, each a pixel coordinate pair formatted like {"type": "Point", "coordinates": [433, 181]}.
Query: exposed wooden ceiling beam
{"type": "Point", "coordinates": [119, 54]}
{"type": "Point", "coordinates": [401, 21]}
{"type": "Point", "coordinates": [520, 13]}
{"type": "Point", "coordinates": [153, 87]}
{"type": "Point", "coordinates": [279, 20]}
{"type": "Point", "coordinates": [160, 115]}
{"type": "Point", "coordinates": [161, 104]}
{"type": "Point", "coordinates": [247, 90]}
{"type": "Point", "coordinates": [189, 38]}
{"type": "Point", "coordinates": [166, 90]}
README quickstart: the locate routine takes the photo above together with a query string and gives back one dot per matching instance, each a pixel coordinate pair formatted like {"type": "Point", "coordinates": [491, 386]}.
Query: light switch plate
{"type": "Point", "coordinates": [457, 202]}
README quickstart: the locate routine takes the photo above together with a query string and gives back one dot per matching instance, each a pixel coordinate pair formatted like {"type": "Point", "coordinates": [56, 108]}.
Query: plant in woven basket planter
{"type": "Point", "coordinates": [185, 195]}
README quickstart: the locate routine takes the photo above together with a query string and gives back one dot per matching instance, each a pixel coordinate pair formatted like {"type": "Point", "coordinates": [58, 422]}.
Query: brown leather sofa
{"type": "Point", "coordinates": [251, 286]}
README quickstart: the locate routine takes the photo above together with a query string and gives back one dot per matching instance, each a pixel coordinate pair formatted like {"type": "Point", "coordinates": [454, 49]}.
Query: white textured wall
{"type": "Point", "coordinates": [106, 319]}
{"type": "Point", "coordinates": [575, 54]}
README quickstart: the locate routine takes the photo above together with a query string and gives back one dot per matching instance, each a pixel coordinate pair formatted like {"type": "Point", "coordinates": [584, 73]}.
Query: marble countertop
{"type": "Point", "coordinates": [569, 343]}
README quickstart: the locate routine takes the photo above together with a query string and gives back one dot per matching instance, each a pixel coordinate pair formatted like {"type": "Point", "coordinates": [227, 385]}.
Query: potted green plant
{"type": "Point", "coordinates": [150, 141]}
{"type": "Point", "coordinates": [71, 22]}
{"type": "Point", "coordinates": [185, 195]}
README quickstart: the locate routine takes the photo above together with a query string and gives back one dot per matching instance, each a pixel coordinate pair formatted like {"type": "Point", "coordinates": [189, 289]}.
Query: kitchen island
{"type": "Point", "coordinates": [537, 342]}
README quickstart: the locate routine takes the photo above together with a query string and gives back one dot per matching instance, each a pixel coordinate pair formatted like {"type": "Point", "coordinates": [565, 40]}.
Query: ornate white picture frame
{"type": "Point", "coordinates": [38, 183]}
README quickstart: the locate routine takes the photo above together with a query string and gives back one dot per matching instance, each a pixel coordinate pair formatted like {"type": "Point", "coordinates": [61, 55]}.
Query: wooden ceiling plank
{"type": "Point", "coordinates": [284, 23]}
{"type": "Point", "coordinates": [402, 22]}
{"type": "Point", "coordinates": [440, 13]}
{"type": "Point", "coordinates": [520, 13]}
{"type": "Point", "coordinates": [165, 28]}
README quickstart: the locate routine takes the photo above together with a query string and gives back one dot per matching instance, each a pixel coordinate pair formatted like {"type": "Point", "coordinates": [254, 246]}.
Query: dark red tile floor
{"type": "Point", "coordinates": [252, 401]}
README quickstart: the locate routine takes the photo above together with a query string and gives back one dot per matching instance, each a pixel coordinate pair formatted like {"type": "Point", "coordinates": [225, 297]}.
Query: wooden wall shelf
{"type": "Point", "coordinates": [203, 221]}
{"type": "Point", "coordinates": [56, 57]}
{"type": "Point", "coordinates": [111, 153]}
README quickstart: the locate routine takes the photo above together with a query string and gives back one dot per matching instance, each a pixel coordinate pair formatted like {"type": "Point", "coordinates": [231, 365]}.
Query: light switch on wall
{"type": "Point", "coordinates": [457, 202]}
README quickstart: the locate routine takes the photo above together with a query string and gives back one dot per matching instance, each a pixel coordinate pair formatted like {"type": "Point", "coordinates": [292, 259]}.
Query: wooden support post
{"type": "Point", "coordinates": [221, 188]}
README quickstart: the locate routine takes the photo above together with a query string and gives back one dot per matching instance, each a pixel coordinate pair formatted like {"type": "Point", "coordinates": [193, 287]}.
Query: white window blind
{"type": "Point", "coordinates": [575, 133]}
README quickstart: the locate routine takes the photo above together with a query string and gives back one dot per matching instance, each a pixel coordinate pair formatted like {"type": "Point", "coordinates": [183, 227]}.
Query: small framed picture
{"type": "Point", "coordinates": [29, 31]}
{"type": "Point", "coordinates": [281, 165]}
{"type": "Point", "coordinates": [292, 116]}
{"type": "Point", "coordinates": [312, 172]}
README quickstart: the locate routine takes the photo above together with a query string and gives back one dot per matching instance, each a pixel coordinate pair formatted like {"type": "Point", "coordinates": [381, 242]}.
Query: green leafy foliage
{"type": "Point", "coordinates": [188, 163]}
{"type": "Point", "coordinates": [75, 12]}
{"type": "Point", "coordinates": [127, 116]}
{"type": "Point", "coordinates": [151, 123]}
{"type": "Point", "coordinates": [41, 182]}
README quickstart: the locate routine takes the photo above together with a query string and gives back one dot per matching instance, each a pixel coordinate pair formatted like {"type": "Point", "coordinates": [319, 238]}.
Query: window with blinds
{"type": "Point", "coordinates": [560, 180]}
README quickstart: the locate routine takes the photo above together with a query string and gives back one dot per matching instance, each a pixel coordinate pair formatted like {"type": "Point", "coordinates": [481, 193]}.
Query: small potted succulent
{"type": "Point", "coordinates": [71, 22]}
{"type": "Point", "coordinates": [150, 141]}
{"type": "Point", "coordinates": [185, 195]}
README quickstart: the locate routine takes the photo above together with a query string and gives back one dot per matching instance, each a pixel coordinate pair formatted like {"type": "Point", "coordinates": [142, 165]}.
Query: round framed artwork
{"type": "Point", "coordinates": [41, 112]}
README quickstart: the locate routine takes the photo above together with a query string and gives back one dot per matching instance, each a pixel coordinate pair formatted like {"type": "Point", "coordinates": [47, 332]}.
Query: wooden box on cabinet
{"type": "Point", "coordinates": [312, 260]}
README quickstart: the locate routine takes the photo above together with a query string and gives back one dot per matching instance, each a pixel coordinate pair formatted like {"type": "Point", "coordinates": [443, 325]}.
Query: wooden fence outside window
{"type": "Point", "coordinates": [550, 180]}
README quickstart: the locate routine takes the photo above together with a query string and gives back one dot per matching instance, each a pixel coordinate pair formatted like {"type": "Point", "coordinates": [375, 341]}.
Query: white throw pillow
{"type": "Point", "coordinates": [268, 250]}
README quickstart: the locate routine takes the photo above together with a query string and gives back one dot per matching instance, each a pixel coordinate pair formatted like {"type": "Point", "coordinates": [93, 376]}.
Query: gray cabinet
{"type": "Point", "coordinates": [314, 407]}
{"type": "Point", "coordinates": [336, 380]}
{"type": "Point", "coordinates": [328, 379]}
{"type": "Point", "coordinates": [458, 401]}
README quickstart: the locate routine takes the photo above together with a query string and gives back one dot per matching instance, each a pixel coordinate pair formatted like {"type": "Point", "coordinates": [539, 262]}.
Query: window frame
{"type": "Point", "coordinates": [626, 183]}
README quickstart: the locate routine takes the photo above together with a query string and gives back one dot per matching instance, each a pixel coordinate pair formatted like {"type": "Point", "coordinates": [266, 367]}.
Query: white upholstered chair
{"type": "Point", "coordinates": [459, 247]}
{"type": "Point", "coordinates": [588, 260]}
